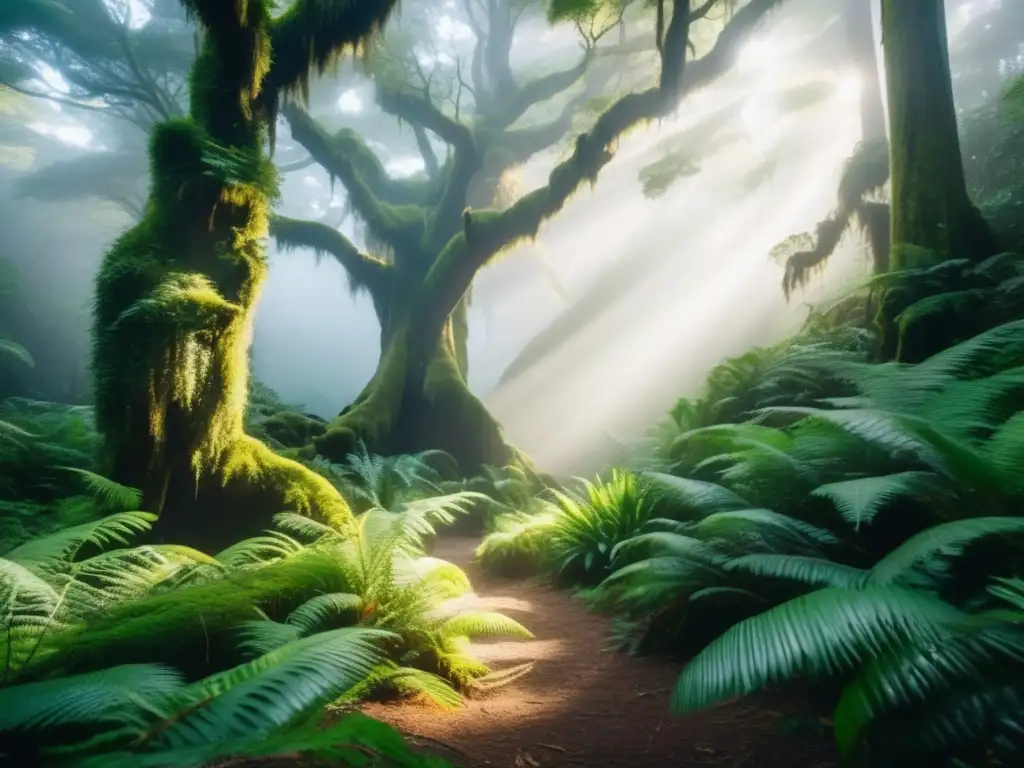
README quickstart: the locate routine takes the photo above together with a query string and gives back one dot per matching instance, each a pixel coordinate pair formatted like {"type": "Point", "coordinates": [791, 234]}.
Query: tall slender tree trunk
{"type": "Point", "coordinates": [933, 218]}
{"type": "Point", "coordinates": [930, 205]}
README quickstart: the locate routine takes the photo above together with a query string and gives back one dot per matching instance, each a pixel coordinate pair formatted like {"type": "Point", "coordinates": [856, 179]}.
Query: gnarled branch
{"type": "Point", "coordinates": [417, 110]}
{"type": "Point", "coordinates": [364, 271]}
{"type": "Point", "coordinates": [347, 158]}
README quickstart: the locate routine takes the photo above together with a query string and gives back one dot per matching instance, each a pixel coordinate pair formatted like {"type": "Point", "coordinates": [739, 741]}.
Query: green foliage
{"type": "Point", "coordinates": [145, 715]}
{"type": "Point", "coordinates": [570, 533]}
{"type": "Point", "coordinates": [866, 539]}
{"type": "Point", "coordinates": [76, 598]}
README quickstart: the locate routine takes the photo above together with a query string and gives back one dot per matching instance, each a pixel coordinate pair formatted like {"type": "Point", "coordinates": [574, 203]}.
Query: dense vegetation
{"type": "Point", "coordinates": [841, 508]}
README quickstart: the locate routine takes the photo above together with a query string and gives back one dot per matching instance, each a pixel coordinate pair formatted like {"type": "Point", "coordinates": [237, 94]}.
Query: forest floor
{"type": "Point", "coordinates": [582, 705]}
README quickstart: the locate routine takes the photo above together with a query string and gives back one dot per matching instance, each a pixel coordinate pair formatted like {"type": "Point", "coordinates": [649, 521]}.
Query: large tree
{"type": "Point", "coordinates": [176, 294]}
{"type": "Point", "coordinates": [439, 231]}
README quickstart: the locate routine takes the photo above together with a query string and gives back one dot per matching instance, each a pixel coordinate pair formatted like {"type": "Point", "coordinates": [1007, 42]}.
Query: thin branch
{"type": "Point", "coordinates": [430, 161]}
{"type": "Point", "coordinates": [544, 88]}
{"type": "Point", "coordinates": [297, 165]}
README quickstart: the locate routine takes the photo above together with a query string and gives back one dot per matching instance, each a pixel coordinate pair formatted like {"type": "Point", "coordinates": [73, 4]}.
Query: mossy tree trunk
{"type": "Point", "coordinates": [418, 397]}
{"type": "Point", "coordinates": [931, 209]}
{"type": "Point", "coordinates": [176, 294]}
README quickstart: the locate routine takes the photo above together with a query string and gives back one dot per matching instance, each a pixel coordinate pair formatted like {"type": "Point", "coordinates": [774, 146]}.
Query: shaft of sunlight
{"type": "Point", "coordinates": [712, 292]}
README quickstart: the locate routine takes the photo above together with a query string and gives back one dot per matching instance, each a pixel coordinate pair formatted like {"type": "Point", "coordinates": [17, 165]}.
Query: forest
{"type": "Point", "coordinates": [511, 383]}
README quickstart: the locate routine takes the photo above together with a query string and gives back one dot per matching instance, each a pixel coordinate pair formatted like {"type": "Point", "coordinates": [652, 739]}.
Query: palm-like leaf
{"type": "Point", "coordinates": [915, 673]}
{"type": "Point", "coordinates": [824, 632]}
{"type": "Point", "coordinates": [860, 499]}
{"type": "Point", "coordinates": [939, 541]}
{"type": "Point", "coordinates": [814, 571]}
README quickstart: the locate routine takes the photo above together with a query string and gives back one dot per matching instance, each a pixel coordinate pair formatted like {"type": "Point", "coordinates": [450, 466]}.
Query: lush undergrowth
{"type": "Point", "coordinates": [820, 516]}
{"type": "Point", "coordinates": [235, 653]}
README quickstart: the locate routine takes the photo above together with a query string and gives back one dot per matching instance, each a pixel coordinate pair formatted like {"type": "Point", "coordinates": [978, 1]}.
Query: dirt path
{"type": "Point", "coordinates": [583, 706]}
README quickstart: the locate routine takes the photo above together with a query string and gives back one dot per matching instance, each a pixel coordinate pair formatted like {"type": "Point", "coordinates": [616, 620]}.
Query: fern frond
{"type": "Point", "coordinates": [313, 614]}
{"type": "Point", "coordinates": [824, 632]}
{"type": "Point", "coordinates": [860, 499]}
{"type": "Point", "coordinates": [111, 496]}
{"type": "Point", "coordinates": [65, 544]}
{"type": "Point", "coordinates": [252, 701]}
{"type": "Point", "coordinates": [119, 695]}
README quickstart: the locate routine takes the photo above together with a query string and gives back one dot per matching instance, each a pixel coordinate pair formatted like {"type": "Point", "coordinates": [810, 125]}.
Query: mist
{"type": "Point", "coordinates": [708, 289]}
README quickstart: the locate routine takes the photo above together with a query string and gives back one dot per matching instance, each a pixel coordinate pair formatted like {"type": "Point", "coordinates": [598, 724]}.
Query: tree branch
{"type": "Point", "coordinates": [364, 271]}
{"type": "Point", "coordinates": [345, 156]}
{"type": "Point", "coordinates": [488, 232]}
{"type": "Point", "coordinates": [417, 110]}
{"type": "Point", "coordinates": [311, 34]}
{"type": "Point", "coordinates": [430, 161]}
{"type": "Point", "coordinates": [351, 145]}
{"type": "Point", "coordinates": [544, 88]}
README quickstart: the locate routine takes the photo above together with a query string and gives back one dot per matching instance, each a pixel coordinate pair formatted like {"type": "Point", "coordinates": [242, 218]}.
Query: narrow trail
{"type": "Point", "coordinates": [582, 705]}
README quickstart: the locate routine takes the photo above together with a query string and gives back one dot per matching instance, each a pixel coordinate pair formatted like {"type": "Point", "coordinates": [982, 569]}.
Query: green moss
{"type": "Point", "coordinates": [292, 429]}
{"type": "Point", "coordinates": [283, 485]}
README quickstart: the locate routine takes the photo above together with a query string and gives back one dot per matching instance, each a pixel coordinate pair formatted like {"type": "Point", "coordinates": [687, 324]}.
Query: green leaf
{"type": "Point", "coordinates": [63, 545]}
{"type": "Point", "coordinates": [311, 616]}
{"type": "Point", "coordinates": [119, 695]}
{"type": "Point", "coordinates": [695, 495]}
{"type": "Point", "coordinates": [814, 571]}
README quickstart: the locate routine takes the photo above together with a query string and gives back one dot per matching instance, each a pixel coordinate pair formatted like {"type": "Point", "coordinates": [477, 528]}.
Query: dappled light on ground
{"type": "Point", "coordinates": [584, 706]}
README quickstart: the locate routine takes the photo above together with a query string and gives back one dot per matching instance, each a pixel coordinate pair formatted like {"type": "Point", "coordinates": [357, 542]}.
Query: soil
{"type": "Point", "coordinates": [582, 705]}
